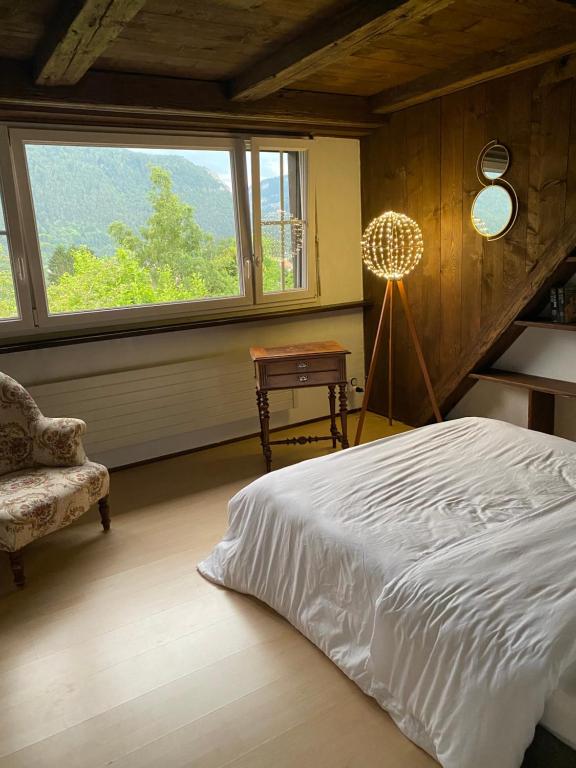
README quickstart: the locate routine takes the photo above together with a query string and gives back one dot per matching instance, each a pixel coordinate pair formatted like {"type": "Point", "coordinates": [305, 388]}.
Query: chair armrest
{"type": "Point", "coordinates": [58, 442]}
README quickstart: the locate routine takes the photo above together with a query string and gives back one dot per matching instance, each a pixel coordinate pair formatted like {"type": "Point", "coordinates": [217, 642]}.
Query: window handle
{"type": "Point", "coordinates": [21, 270]}
{"type": "Point", "coordinates": [248, 268]}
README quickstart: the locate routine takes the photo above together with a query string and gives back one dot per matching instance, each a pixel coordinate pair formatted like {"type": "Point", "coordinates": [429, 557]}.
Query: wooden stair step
{"type": "Point", "coordinates": [525, 381]}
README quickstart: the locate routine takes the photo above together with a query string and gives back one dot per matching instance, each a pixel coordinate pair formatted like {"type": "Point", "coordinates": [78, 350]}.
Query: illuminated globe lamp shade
{"type": "Point", "coordinates": [392, 245]}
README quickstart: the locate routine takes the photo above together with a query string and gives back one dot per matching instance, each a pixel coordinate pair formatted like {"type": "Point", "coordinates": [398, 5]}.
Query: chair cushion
{"type": "Point", "coordinates": [34, 502]}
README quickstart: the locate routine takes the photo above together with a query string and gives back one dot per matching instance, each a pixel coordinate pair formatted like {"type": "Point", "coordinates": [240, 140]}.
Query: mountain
{"type": "Point", "coordinates": [79, 191]}
{"type": "Point", "coordinates": [270, 196]}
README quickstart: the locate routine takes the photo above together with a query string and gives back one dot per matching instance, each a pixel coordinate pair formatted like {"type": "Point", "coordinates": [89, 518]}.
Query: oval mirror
{"type": "Point", "coordinates": [492, 211]}
{"type": "Point", "coordinates": [495, 161]}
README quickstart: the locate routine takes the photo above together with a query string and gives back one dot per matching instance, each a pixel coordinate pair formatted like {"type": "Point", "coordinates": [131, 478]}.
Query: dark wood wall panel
{"type": "Point", "coordinates": [423, 162]}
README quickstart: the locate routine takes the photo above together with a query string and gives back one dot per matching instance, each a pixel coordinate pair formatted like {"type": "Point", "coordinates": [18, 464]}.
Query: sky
{"type": "Point", "coordinates": [217, 161]}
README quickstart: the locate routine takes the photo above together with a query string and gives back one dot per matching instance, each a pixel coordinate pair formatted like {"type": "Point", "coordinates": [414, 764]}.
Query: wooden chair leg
{"type": "Point", "coordinates": [17, 567]}
{"type": "Point", "coordinates": [104, 507]}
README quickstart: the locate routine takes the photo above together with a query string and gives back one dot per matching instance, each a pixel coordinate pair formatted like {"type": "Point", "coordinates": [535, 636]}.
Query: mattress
{"type": "Point", "coordinates": [435, 568]}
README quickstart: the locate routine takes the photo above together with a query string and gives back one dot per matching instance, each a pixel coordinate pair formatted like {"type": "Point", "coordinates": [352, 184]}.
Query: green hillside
{"type": "Point", "coordinates": [80, 191]}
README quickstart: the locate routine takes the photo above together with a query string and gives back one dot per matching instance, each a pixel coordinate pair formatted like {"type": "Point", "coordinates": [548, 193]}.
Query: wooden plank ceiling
{"type": "Point", "coordinates": [381, 54]}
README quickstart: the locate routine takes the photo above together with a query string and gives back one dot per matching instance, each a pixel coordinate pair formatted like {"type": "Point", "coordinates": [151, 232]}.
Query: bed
{"type": "Point", "coordinates": [436, 568]}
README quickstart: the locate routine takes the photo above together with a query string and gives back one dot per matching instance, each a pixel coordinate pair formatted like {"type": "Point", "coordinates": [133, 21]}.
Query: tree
{"type": "Point", "coordinates": [171, 237]}
{"type": "Point", "coordinates": [60, 263]}
{"type": "Point", "coordinates": [116, 281]}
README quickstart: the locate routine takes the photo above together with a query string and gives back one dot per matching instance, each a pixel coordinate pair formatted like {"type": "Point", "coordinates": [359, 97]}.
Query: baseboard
{"type": "Point", "coordinates": [206, 447]}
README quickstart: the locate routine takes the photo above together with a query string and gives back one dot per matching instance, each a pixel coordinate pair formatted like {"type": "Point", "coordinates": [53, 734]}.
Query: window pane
{"type": "Point", "coordinates": [8, 302]}
{"type": "Point", "coordinates": [283, 225]}
{"type": "Point", "coordinates": [121, 227]}
{"type": "Point", "coordinates": [8, 305]}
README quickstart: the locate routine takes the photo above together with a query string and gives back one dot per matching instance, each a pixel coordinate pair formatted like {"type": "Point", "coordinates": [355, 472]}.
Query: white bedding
{"type": "Point", "coordinates": [560, 713]}
{"type": "Point", "coordinates": [435, 568]}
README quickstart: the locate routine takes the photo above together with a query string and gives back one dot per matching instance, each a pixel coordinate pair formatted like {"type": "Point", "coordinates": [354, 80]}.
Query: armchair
{"type": "Point", "coordinates": [46, 481]}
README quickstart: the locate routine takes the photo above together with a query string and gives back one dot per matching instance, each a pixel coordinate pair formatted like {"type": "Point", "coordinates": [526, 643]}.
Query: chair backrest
{"type": "Point", "coordinates": [17, 412]}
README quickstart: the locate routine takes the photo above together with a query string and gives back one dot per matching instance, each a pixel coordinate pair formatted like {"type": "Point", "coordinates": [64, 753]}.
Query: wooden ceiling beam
{"type": "Point", "coordinates": [516, 56]}
{"type": "Point", "coordinates": [80, 33]}
{"type": "Point", "coordinates": [132, 98]}
{"type": "Point", "coordinates": [328, 41]}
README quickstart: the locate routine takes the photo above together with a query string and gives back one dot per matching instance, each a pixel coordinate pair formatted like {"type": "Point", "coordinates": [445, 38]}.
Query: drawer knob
{"type": "Point", "coordinates": [302, 378]}
{"type": "Point", "coordinates": [302, 365]}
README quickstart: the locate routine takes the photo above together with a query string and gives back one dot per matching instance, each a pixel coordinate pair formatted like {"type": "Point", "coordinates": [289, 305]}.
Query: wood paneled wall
{"type": "Point", "coordinates": [423, 163]}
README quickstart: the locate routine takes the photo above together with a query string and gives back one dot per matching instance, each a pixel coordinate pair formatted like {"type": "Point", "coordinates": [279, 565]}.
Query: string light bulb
{"type": "Point", "coordinates": [392, 245]}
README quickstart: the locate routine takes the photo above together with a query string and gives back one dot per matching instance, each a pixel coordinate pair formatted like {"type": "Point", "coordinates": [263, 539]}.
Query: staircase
{"type": "Point", "coordinates": [554, 267]}
{"type": "Point", "coordinates": [542, 392]}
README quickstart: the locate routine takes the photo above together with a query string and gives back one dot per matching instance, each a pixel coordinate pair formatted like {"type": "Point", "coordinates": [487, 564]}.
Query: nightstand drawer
{"type": "Point", "coordinates": [302, 365]}
{"type": "Point", "coordinates": [310, 379]}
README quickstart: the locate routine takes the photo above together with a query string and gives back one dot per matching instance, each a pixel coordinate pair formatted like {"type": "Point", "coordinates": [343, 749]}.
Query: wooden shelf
{"type": "Point", "coordinates": [546, 324]}
{"type": "Point", "coordinates": [541, 394]}
{"type": "Point", "coordinates": [524, 381]}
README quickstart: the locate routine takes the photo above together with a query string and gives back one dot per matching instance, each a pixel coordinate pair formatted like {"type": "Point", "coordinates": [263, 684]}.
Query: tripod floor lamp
{"type": "Point", "coordinates": [392, 246]}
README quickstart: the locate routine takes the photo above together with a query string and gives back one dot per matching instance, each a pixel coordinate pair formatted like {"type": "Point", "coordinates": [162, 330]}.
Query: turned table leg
{"type": "Point", "coordinates": [17, 567]}
{"type": "Point", "coordinates": [264, 413]}
{"type": "Point", "coordinates": [342, 399]}
{"type": "Point", "coordinates": [332, 401]}
{"type": "Point", "coordinates": [104, 507]}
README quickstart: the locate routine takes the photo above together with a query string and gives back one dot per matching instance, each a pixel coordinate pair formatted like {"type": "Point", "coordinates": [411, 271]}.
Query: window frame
{"type": "Point", "coordinates": [310, 292]}
{"type": "Point", "coordinates": [19, 137]}
{"type": "Point", "coordinates": [11, 326]}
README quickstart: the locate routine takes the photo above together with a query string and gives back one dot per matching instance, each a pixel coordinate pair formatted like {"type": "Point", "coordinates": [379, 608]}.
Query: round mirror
{"type": "Point", "coordinates": [494, 161]}
{"type": "Point", "coordinates": [492, 211]}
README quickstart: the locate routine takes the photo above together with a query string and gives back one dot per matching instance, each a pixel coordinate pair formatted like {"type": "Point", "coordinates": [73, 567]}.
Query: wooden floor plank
{"type": "Point", "coordinates": [119, 654]}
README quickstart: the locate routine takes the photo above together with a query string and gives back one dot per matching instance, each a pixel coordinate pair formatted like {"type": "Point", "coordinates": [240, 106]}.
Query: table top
{"type": "Point", "coordinates": [308, 349]}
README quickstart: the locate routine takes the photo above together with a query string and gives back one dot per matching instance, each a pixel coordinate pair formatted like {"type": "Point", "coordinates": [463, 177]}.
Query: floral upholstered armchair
{"type": "Point", "coordinates": [46, 481]}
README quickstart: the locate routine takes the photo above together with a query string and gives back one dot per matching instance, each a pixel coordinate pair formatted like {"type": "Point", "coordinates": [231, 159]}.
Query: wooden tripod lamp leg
{"type": "Point", "coordinates": [390, 356]}
{"type": "Point", "coordinates": [373, 361]}
{"type": "Point", "coordinates": [419, 353]}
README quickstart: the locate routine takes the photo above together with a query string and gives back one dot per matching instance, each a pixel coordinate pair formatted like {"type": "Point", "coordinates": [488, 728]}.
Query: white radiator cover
{"type": "Point", "coordinates": [130, 408]}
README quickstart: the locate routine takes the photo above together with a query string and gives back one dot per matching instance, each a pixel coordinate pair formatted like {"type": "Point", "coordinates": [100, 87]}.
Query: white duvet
{"type": "Point", "coordinates": [436, 568]}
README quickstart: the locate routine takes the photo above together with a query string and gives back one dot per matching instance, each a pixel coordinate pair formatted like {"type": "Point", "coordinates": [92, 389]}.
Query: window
{"type": "Point", "coordinates": [120, 227]}
{"type": "Point", "coordinates": [281, 221]}
{"type": "Point", "coordinates": [15, 305]}
{"type": "Point", "coordinates": [281, 228]}
{"type": "Point", "coordinates": [8, 302]}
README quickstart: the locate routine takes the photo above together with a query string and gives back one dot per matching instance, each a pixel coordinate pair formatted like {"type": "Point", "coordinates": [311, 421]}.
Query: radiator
{"type": "Point", "coordinates": [132, 407]}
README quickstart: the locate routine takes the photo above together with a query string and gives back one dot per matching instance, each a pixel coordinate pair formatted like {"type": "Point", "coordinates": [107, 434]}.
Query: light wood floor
{"type": "Point", "coordinates": [119, 654]}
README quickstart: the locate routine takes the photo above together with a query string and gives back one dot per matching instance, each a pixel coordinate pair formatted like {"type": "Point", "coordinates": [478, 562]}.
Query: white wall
{"type": "Point", "coordinates": [538, 352]}
{"type": "Point", "coordinates": [339, 231]}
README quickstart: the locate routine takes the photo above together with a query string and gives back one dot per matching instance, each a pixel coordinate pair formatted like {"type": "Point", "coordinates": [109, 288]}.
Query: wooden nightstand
{"type": "Point", "coordinates": [315, 364]}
